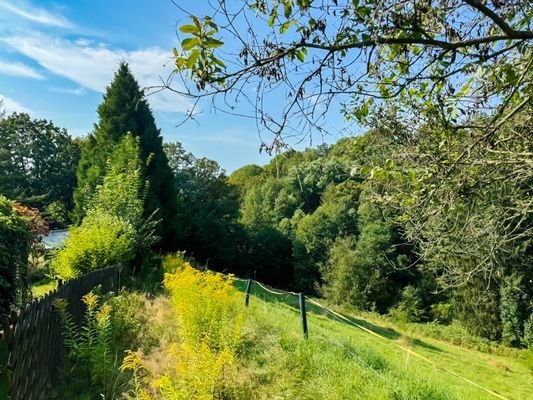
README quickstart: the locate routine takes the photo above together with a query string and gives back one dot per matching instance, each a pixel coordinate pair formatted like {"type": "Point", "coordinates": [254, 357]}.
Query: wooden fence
{"type": "Point", "coordinates": [33, 336]}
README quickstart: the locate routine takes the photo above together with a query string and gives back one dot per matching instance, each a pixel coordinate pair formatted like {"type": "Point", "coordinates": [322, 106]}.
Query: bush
{"type": "Point", "coordinates": [131, 327]}
{"type": "Point", "coordinates": [510, 315]}
{"type": "Point", "coordinates": [528, 332]}
{"type": "Point", "coordinates": [100, 241]}
{"type": "Point", "coordinates": [90, 348]}
{"type": "Point", "coordinates": [114, 230]}
{"type": "Point", "coordinates": [441, 312]}
{"type": "Point", "coordinates": [173, 263]}
{"type": "Point", "coordinates": [15, 240]}
{"type": "Point", "coordinates": [207, 307]}
{"type": "Point", "coordinates": [410, 308]}
{"type": "Point", "coordinates": [57, 214]}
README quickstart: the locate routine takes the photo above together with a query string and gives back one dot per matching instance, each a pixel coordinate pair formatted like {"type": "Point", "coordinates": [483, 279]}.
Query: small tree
{"type": "Point", "coordinates": [114, 230]}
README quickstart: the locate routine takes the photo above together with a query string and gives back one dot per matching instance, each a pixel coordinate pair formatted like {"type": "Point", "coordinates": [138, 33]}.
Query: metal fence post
{"type": "Point", "coordinates": [303, 314]}
{"type": "Point", "coordinates": [248, 289]}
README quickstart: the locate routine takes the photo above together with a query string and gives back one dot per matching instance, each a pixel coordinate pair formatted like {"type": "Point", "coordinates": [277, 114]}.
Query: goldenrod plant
{"type": "Point", "coordinates": [203, 361]}
{"type": "Point", "coordinates": [90, 348]}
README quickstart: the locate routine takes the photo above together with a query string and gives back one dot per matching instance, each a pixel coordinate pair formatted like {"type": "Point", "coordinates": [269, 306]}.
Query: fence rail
{"type": "Point", "coordinates": [33, 336]}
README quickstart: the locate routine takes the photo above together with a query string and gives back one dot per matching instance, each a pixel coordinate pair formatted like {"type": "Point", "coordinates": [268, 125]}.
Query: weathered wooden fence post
{"type": "Point", "coordinates": [303, 315]}
{"type": "Point", "coordinates": [248, 290]}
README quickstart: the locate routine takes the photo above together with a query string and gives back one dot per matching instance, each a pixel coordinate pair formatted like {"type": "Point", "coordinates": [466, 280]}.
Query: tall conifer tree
{"type": "Point", "coordinates": [124, 110]}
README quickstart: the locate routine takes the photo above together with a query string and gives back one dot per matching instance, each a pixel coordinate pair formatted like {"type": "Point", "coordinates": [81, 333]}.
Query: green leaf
{"type": "Point", "coordinates": [213, 43]}
{"type": "Point", "coordinates": [363, 11]}
{"type": "Point", "coordinates": [211, 24]}
{"type": "Point", "coordinates": [189, 29]}
{"type": "Point", "coordinates": [300, 55]}
{"type": "Point", "coordinates": [196, 22]}
{"type": "Point", "coordinates": [365, 170]}
{"type": "Point", "coordinates": [284, 27]}
{"type": "Point", "coordinates": [189, 43]}
{"type": "Point", "coordinates": [273, 16]}
{"type": "Point", "coordinates": [193, 58]}
{"type": "Point", "coordinates": [288, 9]}
{"type": "Point", "coordinates": [219, 62]}
{"type": "Point", "coordinates": [303, 4]}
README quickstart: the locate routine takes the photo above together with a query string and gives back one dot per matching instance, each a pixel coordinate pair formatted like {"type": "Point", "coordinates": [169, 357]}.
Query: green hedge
{"type": "Point", "coordinates": [15, 239]}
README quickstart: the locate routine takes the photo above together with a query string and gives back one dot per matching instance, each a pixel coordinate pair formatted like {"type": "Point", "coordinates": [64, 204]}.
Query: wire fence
{"type": "Point", "coordinates": [292, 299]}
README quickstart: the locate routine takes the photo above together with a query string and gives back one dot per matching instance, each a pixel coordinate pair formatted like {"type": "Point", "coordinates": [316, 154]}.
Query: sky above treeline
{"type": "Point", "coordinates": [57, 57]}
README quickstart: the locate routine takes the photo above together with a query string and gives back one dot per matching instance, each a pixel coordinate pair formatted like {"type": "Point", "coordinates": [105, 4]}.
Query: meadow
{"type": "Point", "coordinates": [341, 361]}
{"type": "Point", "coordinates": [197, 340]}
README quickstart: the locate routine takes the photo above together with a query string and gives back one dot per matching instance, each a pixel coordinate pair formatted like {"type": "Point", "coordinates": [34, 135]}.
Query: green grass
{"type": "Point", "coordinates": [340, 361]}
{"type": "Point", "coordinates": [45, 285]}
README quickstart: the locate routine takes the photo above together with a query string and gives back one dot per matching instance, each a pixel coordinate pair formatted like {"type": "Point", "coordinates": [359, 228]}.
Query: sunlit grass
{"type": "Point", "coordinates": [39, 289]}
{"type": "Point", "coordinates": [340, 361]}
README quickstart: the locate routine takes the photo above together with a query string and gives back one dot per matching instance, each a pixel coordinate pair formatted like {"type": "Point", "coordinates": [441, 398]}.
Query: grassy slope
{"type": "Point", "coordinates": [341, 361]}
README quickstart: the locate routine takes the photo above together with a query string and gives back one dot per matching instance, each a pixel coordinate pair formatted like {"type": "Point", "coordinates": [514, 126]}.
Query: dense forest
{"type": "Point", "coordinates": [343, 221]}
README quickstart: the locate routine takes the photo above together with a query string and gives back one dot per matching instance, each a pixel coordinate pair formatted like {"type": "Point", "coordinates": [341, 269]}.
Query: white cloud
{"type": "Point", "coordinates": [11, 106]}
{"type": "Point", "coordinates": [92, 65]}
{"type": "Point", "coordinates": [37, 15]}
{"type": "Point", "coordinates": [84, 42]}
{"type": "Point", "coordinates": [79, 91]}
{"type": "Point", "coordinates": [19, 69]}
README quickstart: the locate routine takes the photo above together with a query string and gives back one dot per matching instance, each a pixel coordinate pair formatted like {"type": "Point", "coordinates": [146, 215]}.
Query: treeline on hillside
{"type": "Point", "coordinates": [346, 222]}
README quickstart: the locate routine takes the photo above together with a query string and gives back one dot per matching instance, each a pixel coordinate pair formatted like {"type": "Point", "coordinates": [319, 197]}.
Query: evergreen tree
{"type": "Point", "coordinates": [124, 110]}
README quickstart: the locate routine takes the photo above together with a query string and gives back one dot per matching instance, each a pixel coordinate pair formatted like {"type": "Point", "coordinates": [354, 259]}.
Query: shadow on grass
{"type": "Point", "coordinates": [292, 302]}
{"type": "Point", "coordinates": [427, 346]}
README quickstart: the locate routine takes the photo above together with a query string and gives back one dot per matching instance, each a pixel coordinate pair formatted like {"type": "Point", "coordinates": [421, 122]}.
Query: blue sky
{"type": "Point", "coordinates": [56, 58]}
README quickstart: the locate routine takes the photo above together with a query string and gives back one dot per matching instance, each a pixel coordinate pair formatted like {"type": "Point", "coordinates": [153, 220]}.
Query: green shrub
{"type": "Point", "coordinates": [114, 230]}
{"type": "Point", "coordinates": [528, 332]}
{"type": "Point", "coordinates": [96, 349]}
{"type": "Point", "coordinates": [100, 241]}
{"type": "Point", "coordinates": [410, 308]}
{"type": "Point", "coordinates": [57, 213]}
{"type": "Point", "coordinates": [173, 263]}
{"type": "Point", "coordinates": [15, 238]}
{"type": "Point", "coordinates": [131, 327]}
{"type": "Point", "coordinates": [510, 315]}
{"type": "Point", "coordinates": [441, 312]}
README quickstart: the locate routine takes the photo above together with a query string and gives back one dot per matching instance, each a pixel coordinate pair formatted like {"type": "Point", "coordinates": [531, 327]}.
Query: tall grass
{"type": "Point", "coordinates": [279, 363]}
{"type": "Point", "coordinates": [226, 351]}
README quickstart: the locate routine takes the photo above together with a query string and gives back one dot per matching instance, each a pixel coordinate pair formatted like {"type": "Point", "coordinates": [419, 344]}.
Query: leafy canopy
{"type": "Point", "coordinates": [443, 61]}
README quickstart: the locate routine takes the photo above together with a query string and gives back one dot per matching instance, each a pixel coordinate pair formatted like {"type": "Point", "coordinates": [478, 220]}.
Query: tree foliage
{"type": "Point", "coordinates": [349, 222]}
{"type": "Point", "coordinates": [443, 61]}
{"type": "Point", "coordinates": [124, 109]}
{"type": "Point", "coordinates": [37, 162]}
{"type": "Point", "coordinates": [114, 232]}
{"type": "Point", "coordinates": [15, 237]}
{"type": "Point", "coordinates": [447, 82]}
